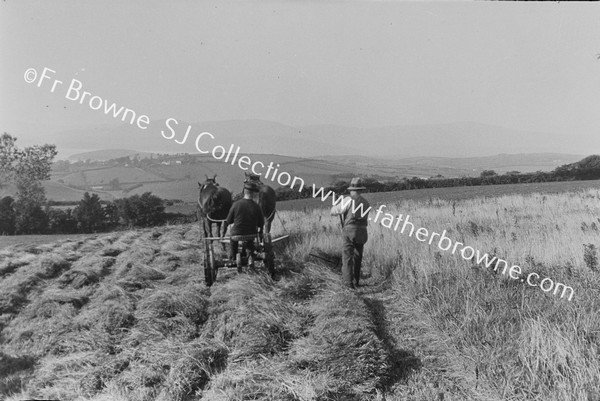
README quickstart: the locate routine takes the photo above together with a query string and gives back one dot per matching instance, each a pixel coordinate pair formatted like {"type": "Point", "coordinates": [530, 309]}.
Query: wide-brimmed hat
{"type": "Point", "coordinates": [356, 184]}
{"type": "Point", "coordinates": [252, 177]}
{"type": "Point", "coordinates": [251, 186]}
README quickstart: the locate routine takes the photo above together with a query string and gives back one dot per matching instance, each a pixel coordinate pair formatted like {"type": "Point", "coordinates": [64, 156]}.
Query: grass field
{"type": "Point", "coordinates": [126, 316]}
{"type": "Point", "coordinates": [452, 193]}
{"type": "Point", "coordinates": [456, 193]}
{"type": "Point", "coordinates": [104, 175]}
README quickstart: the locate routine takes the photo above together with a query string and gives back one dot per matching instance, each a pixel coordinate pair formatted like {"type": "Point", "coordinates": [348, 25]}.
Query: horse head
{"type": "Point", "coordinates": [208, 183]}
{"type": "Point", "coordinates": [212, 198]}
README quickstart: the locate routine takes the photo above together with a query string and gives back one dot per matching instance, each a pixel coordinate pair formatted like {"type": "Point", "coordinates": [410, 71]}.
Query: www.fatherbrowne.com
{"type": "Point", "coordinates": [444, 243]}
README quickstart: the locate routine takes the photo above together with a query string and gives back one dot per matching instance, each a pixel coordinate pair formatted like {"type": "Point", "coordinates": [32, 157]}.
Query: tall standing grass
{"type": "Point", "coordinates": [524, 343]}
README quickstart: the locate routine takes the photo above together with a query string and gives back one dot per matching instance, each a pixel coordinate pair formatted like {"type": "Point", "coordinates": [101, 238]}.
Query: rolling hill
{"type": "Point", "coordinates": [107, 154]}
{"type": "Point", "coordinates": [177, 178]}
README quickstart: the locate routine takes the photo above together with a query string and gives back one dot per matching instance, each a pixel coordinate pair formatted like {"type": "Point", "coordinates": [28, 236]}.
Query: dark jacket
{"type": "Point", "coordinates": [246, 217]}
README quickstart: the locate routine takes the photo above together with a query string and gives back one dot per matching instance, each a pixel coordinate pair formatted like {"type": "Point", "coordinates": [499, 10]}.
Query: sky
{"type": "Point", "coordinates": [527, 66]}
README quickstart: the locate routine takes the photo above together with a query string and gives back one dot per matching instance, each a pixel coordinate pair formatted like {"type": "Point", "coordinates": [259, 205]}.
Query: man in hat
{"type": "Point", "coordinates": [354, 218]}
{"type": "Point", "coordinates": [246, 217]}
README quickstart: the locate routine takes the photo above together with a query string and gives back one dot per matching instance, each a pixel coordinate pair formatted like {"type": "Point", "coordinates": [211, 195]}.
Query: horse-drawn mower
{"type": "Point", "coordinates": [214, 204]}
{"type": "Point", "coordinates": [252, 253]}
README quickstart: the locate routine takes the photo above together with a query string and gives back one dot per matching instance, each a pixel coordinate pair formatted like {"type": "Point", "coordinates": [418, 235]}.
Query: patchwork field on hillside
{"type": "Point", "coordinates": [126, 316]}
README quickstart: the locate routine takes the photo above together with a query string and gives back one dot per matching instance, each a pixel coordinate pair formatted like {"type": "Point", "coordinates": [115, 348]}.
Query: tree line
{"type": "Point", "coordinates": [585, 169]}
{"type": "Point", "coordinates": [89, 216]}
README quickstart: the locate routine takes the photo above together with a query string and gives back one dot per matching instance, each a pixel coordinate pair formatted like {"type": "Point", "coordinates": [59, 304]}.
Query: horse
{"type": "Point", "coordinates": [214, 203]}
{"type": "Point", "coordinates": [266, 200]}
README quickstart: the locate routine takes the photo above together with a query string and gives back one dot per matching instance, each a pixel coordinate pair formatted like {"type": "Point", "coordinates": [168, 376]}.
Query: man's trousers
{"type": "Point", "coordinates": [354, 239]}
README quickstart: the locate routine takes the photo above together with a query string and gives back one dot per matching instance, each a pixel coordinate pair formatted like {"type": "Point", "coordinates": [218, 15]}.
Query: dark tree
{"type": "Point", "coordinates": [488, 173]}
{"type": "Point", "coordinates": [151, 211]}
{"type": "Point", "coordinates": [146, 210]}
{"type": "Point", "coordinates": [61, 221]}
{"type": "Point", "coordinates": [114, 184]}
{"type": "Point", "coordinates": [126, 210]}
{"type": "Point", "coordinates": [7, 216]}
{"type": "Point", "coordinates": [89, 214]}
{"type": "Point", "coordinates": [25, 169]}
{"type": "Point", "coordinates": [30, 217]}
{"type": "Point", "coordinates": [111, 215]}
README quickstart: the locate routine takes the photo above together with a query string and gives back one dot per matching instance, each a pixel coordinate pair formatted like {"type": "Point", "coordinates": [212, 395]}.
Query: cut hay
{"type": "Point", "coordinates": [178, 245]}
{"type": "Point", "coordinates": [106, 318]}
{"type": "Point", "coordinates": [129, 237]}
{"type": "Point", "coordinates": [249, 317]}
{"type": "Point", "coordinates": [167, 262]}
{"type": "Point", "coordinates": [171, 369]}
{"type": "Point", "coordinates": [305, 285]}
{"type": "Point", "coordinates": [15, 287]}
{"type": "Point", "coordinates": [267, 380]}
{"type": "Point", "coordinates": [14, 371]}
{"type": "Point", "coordinates": [183, 276]}
{"type": "Point", "coordinates": [71, 245]}
{"type": "Point", "coordinates": [115, 249]}
{"type": "Point", "coordinates": [174, 241]}
{"type": "Point", "coordinates": [6, 253]}
{"type": "Point", "coordinates": [51, 265]}
{"type": "Point", "coordinates": [176, 311]}
{"type": "Point", "coordinates": [79, 339]}
{"type": "Point", "coordinates": [40, 327]}
{"type": "Point", "coordinates": [11, 301]}
{"type": "Point", "coordinates": [112, 316]}
{"type": "Point", "coordinates": [139, 252]}
{"type": "Point", "coordinates": [194, 234]}
{"type": "Point", "coordinates": [140, 272]}
{"type": "Point", "coordinates": [343, 343]}
{"type": "Point", "coordinates": [92, 244]}
{"type": "Point", "coordinates": [107, 291]}
{"type": "Point", "coordinates": [32, 249]}
{"type": "Point", "coordinates": [98, 376]}
{"type": "Point", "coordinates": [87, 270]}
{"type": "Point", "coordinates": [61, 377]}
{"type": "Point", "coordinates": [76, 297]}
{"type": "Point", "coordinates": [10, 265]}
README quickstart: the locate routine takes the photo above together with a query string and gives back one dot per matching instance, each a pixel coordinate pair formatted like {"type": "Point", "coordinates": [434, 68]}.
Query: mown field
{"type": "Point", "coordinates": [126, 316]}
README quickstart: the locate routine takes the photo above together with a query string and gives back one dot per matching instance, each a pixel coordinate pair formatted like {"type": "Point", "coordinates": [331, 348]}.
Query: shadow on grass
{"type": "Point", "coordinates": [14, 372]}
{"type": "Point", "coordinates": [402, 362]}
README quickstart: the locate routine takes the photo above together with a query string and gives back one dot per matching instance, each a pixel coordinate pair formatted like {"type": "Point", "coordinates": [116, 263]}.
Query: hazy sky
{"type": "Point", "coordinates": [360, 63]}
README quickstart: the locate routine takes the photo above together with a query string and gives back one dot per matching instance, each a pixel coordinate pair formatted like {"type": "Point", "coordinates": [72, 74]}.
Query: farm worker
{"type": "Point", "coordinates": [246, 217]}
{"type": "Point", "coordinates": [354, 232]}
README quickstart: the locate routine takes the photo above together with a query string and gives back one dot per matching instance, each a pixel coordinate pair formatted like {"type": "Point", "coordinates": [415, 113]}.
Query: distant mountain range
{"type": "Point", "coordinates": [459, 166]}
{"type": "Point", "coordinates": [466, 139]}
